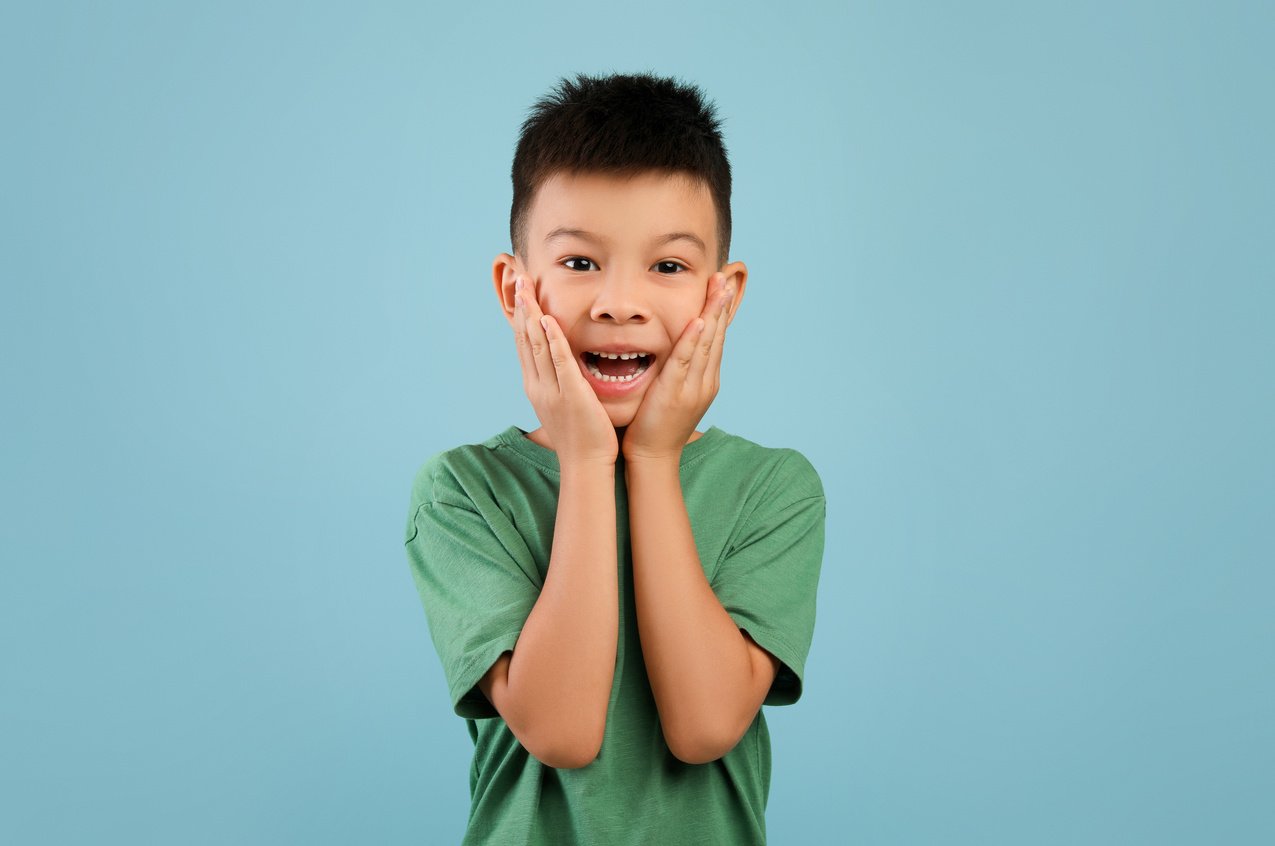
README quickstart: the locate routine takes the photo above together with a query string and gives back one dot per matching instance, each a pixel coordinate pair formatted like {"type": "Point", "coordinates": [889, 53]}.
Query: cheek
{"type": "Point", "coordinates": [557, 300]}
{"type": "Point", "coordinates": [552, 303]}
{"type": "Point", "coordinates": [679, 315]}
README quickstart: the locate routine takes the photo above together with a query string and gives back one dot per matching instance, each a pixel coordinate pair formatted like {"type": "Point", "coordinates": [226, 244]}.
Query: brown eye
{"type": "Point", "coordinates": [570, 263]}
{"type": "Point", "coordinates": [669, 267]}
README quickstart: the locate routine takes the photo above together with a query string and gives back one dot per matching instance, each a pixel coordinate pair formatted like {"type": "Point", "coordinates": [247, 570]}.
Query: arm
{"type": "Point", "coordinates": [554, 687]}
{"type": "Point", "coordinates": [708, 677]}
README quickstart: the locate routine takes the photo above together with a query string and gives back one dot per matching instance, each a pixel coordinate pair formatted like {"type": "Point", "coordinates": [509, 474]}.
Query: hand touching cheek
{"type": "Point", "coordinates": [686, 385]}
{"type": "Point", "coordinates": [576, 423]}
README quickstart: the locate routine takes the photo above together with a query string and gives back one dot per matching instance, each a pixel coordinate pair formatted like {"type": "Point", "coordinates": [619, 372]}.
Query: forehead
{"type": "Point", "coordinates": [623, 208]}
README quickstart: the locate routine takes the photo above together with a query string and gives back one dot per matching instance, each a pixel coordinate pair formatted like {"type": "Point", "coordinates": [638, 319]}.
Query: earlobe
{"type": "Point", "coordinates": [505, 269]}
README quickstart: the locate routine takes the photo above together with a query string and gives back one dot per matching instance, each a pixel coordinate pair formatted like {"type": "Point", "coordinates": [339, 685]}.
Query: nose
{"type": "Point", "coordinates": [620, 299]}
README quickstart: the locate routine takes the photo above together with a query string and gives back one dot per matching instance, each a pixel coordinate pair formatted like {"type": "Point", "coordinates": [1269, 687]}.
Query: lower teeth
{"type": "Point", "coordinates": [602, 377]}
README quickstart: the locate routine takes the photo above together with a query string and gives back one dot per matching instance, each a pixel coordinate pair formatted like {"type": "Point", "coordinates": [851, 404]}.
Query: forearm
{"type": "Point", "coordinates": [696, 657]}
{"type": "Point", "coordinates": [561, 671]}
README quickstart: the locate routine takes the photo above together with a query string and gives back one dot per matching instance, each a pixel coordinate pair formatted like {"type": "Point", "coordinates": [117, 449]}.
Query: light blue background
{"type": "Point", "coordinates": [1011, 292]}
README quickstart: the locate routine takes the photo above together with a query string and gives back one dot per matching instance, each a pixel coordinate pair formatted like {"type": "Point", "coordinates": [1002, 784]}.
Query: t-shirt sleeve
{"type": "Point", "coordinates": [478, 584]}
{"type": "Point", "coordinates": [768, 577]}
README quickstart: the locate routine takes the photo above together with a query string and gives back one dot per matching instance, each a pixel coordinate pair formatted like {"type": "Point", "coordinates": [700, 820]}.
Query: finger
{"type": "Point", "coordinates": [528, 324]}
{"type": "Point", "coordinates": [712, 317]}
{"type": "Point", "coordinates": [521, 341]}
{"type": "Point", "coordinates": [536, 335]}
{"type": "Point", "coordinates": [564, 360]}
{"type": "Point", "coordinates": [719, 341]}
{"type": "Point", "coordinates": [679, 362]}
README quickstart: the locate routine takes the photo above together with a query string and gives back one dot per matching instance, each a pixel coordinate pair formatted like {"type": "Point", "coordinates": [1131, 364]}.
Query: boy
{"type": "Point", "coordinates": [614, 595]}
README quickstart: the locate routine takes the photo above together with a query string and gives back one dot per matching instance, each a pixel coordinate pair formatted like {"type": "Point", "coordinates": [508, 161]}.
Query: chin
{"type": "Point", "coordinates": [621, 413]}
{"type": "Point", "coordinates": [621, 417]}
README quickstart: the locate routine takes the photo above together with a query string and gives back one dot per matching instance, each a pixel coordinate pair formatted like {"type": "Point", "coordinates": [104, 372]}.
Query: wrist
{"type": "Point", "coordinates": [649, 462]}
{"type": "Point", "coordinates": [635, 452]}
{"type": "Point", "coordinates": [586, 468]}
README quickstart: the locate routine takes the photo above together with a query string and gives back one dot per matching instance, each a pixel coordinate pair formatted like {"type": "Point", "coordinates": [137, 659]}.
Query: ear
{"type": "Point", "coordinates": [504, 271]}
{"type": "Point", "coordinates": [736, 274]}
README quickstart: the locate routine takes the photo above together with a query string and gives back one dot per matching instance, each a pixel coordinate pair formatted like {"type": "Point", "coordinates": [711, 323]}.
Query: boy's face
{"type": "Point", "coordinates": [623, 265]}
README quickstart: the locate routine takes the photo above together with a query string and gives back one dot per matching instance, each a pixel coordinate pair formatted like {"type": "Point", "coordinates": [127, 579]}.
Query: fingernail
{"type": "Point", "coordinates": [518, 283]}
{"type": "Point", "coordinates": [544, 322]}
{"type": "Point", "coordinates": [517, 300]}
{"type": "Point", "coordinates": [699, 325]}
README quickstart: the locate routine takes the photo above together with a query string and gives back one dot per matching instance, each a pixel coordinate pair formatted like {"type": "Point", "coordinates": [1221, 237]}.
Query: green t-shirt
{"type": "Point", "coordinates": [479, 534]}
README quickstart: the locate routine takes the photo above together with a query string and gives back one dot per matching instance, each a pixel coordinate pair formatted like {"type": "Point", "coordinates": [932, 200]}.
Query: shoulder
{"type": "Point", "coordinates": [457, 478]}
{"type": "Point", "coordinates": [460, 475]}
{"type": "Point", "coordinates": [772, 472]}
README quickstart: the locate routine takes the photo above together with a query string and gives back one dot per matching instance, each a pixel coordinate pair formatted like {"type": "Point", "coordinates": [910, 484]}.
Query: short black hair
{"type": "Point", "coordinates": [621, 124]}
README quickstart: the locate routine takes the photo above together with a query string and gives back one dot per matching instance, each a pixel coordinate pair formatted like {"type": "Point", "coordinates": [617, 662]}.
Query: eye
{"type": "Point", "coordinates": [569, 263]}
{"type": "Point", "coordinates": [669, 267]}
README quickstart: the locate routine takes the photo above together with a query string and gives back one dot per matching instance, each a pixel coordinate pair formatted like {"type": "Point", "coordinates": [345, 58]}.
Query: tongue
{"type": "Point", "coordinates": [618, 366]}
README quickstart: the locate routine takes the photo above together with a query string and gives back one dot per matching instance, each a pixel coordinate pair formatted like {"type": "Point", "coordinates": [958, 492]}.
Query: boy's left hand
{"type": "Point", "coordinates": [686, 385]}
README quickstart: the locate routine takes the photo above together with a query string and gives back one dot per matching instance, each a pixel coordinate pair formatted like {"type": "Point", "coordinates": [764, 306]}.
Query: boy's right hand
{"type": "Point", "coordinates": [574, 419]}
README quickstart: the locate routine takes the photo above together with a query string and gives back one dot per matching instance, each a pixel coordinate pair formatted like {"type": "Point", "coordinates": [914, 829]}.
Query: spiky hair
{"type": "Point", "coordinates": [621, 124]}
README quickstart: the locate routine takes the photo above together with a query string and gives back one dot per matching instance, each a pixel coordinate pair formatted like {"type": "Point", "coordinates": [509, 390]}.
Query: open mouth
{"type": "Point", "coordinates": [616, 367]}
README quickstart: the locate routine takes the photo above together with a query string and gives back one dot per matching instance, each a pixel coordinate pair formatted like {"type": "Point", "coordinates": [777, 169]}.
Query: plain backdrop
{"type": "Point", "coordinates": [1011, 292]}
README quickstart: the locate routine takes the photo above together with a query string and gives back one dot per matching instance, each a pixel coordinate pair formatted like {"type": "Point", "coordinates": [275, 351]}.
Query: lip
{"type": "Point", "coordinates": [616, 389]}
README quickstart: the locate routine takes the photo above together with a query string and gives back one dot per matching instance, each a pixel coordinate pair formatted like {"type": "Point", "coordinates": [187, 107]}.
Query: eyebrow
{"type": "Point", "coordinates": [568, 232]}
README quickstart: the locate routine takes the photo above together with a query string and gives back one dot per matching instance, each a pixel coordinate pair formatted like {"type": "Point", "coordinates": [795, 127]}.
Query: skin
{"type": "Point", "coordinates": [612, 281]}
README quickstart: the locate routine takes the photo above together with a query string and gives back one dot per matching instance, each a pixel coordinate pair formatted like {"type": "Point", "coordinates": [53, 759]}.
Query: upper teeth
{"type": "Point", "coordinates": [620, 355]}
